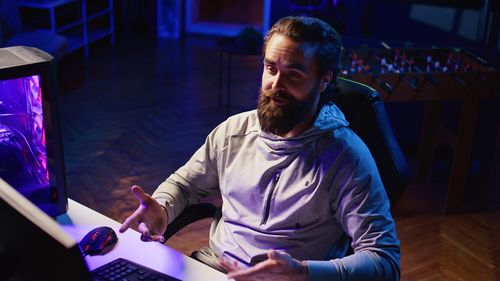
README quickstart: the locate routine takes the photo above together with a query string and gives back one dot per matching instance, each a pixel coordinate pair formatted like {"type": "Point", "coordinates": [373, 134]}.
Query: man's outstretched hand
{"type": "Point", "coordinates": [150, 218]}
{"type": "Point", "coordinates": [279, 266]}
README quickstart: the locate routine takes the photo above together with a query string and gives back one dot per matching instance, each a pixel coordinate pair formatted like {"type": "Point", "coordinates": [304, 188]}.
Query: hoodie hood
{"type": "Point", "coordinates": [329, 118]}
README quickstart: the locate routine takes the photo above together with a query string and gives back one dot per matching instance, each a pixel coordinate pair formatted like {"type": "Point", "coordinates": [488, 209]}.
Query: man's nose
{"type": "Point", "coordinates": [278, 82]}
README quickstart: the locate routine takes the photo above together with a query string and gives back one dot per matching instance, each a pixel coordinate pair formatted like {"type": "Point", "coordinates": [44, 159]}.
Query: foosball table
{"type": "Point", "coordinates": [421, 74]}
{"type": "Point", "coordinates": [430, 75]}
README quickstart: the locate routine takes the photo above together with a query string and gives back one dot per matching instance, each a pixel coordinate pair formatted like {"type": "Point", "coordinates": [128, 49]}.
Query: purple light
{"type": "Point", "coordinates": [23, 153]}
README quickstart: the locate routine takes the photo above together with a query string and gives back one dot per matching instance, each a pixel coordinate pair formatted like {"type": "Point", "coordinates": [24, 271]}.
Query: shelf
{"type": "Point", "coordinates": [71, 18]}
{"type": "Point", "coordinates": [44, 5]}
{"type": "Point", "coordinates": [70, 26]}
{"type": "Point", "coordinates": [98, 14]}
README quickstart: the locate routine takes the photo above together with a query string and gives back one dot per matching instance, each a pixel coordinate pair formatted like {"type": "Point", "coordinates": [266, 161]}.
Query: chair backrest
{"type": "Point", "coordinates": [367, 117]}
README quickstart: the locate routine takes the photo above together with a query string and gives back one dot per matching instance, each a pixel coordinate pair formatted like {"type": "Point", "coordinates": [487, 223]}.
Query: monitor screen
{"type": "Point", "coordinates": [33, 246]}
{"type": "Point", "coordinates": [30, 146]}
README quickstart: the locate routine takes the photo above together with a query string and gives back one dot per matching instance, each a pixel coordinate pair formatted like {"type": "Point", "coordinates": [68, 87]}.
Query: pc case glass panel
{"type": "Point", "coordinates": [23, 147]}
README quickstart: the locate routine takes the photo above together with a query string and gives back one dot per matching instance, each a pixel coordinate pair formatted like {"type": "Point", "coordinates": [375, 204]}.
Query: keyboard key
{"type": "Point", "coordinates": [125, 270]}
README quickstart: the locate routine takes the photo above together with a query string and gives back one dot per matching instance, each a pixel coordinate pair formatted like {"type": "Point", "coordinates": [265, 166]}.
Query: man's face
{"type": "Point", "coordinates": [290, 87]}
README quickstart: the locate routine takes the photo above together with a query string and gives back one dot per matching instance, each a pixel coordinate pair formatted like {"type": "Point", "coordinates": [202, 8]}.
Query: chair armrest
{"type": "Point", "coordinates": [189, 215]}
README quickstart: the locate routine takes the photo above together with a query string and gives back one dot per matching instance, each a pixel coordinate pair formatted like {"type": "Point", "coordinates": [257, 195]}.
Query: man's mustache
{"type": "Point", "coordinates": [278, 94]}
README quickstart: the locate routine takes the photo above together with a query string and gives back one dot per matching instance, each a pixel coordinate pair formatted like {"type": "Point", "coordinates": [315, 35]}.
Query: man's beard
{"type": "Point", "coordinates": [280, 120]}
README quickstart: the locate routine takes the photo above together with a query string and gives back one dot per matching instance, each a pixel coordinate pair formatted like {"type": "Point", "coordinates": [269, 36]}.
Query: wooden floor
{"type": "Point", "coordinates": [134, 113]}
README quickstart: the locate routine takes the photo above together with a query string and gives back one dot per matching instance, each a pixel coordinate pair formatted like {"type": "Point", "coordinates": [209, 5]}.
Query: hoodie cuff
{"type": "Point", "coordinates": [168, 207]}
{"type": "Point", "coordinates": [322, 270]}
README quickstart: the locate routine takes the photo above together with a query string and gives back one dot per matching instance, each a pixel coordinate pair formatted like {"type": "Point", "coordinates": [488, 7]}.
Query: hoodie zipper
{"type": "Point", "coordinates": [269, 197]}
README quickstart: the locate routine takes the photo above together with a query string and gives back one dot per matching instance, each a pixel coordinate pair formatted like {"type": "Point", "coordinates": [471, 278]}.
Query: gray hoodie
{"type": "Point", "coordinates": [309, 195]}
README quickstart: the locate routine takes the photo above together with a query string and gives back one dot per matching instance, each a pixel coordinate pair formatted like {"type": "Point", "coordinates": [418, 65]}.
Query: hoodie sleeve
{"type": "Point", "coordinates": [197, 179]}
{"type": "Point", "coordinates": [362, 207]}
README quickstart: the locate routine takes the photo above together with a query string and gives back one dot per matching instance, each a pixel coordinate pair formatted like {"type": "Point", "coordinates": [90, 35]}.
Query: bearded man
{"type": "Point", "coordinates": [301, 195]}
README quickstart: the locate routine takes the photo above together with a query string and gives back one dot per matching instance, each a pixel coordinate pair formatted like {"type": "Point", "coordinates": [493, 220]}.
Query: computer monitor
{"type": "Point", "coordinates": [32, 245]}
{"type": "Point", "coordinates": [31, 155]}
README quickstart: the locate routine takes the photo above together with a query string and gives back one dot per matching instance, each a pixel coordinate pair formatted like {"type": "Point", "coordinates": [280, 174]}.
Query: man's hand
{"type": "Point", "coordinates": [150, 218]}
{"type": "Point", "coordinates": [279, 266]}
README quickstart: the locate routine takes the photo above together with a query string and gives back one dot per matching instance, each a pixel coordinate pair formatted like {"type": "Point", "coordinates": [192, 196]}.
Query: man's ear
{"type": "Point", "coordinates": [325, 80]}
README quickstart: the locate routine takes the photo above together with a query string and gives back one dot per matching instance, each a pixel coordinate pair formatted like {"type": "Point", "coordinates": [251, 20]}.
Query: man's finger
{"type": "Point", "coordinates": [145, 238]}
{"type": "Point", "coordinates": [284, 258]}
{"type": "Point", "coordinates": [278, 256]}
{"type": "Point", "coordinates": [124, 227]}
{"type": "Point", "coordinates": [157, 238]}
{"type": "Point", "coordinates": [227, 265]}
{"type": "Point", "coordinates": [143, 229]}
{"type": "Point", "coordinates": [251, 271]}
{"type": "Point", "coordinates": [140, 194]}
{"type": "Point", "coordinates": [128, 223]}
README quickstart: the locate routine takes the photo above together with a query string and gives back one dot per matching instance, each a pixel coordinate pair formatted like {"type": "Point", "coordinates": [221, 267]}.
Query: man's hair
{"type": "Point", "coordinates": [320, 36]}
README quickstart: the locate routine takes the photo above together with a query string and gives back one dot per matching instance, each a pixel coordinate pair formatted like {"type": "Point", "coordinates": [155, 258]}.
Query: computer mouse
{"type": "Point", "coordinates": [98, 241]}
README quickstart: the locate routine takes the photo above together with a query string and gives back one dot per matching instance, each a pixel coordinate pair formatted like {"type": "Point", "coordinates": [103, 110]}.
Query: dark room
{"type": "Point", "coordinates": [203, 139]}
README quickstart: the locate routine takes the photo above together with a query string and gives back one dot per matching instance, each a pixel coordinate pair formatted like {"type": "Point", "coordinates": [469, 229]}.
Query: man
{"type": "Point", "coordinates": [298, 187]}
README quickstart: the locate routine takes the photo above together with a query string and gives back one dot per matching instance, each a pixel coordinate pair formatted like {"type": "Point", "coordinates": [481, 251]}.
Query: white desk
{"type": "Point", "coordinates": [79, 220]}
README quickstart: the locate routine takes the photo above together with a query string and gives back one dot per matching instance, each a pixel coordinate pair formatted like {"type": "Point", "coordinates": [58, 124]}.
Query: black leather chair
{"type": "Point", "coordinates": [366, 114]}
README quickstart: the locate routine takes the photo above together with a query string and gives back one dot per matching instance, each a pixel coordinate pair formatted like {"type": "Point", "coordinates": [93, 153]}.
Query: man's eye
{"type": "Point", "coordinates": [271, 69]}
{"type": "Point", "coordinates": [294, 75]}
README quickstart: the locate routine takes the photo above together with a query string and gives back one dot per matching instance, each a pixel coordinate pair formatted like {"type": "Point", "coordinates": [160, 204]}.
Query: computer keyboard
{"type": "Point", "coordinates": [125, 270]}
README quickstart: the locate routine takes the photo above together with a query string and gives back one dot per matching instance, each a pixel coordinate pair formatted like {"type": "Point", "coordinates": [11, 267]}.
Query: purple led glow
{"type": "Point", "coordinates": [23, 153]}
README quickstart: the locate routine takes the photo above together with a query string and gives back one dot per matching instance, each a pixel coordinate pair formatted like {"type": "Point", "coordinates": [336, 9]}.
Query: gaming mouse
{"type": "Point", "coordinates": [98, 241]}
